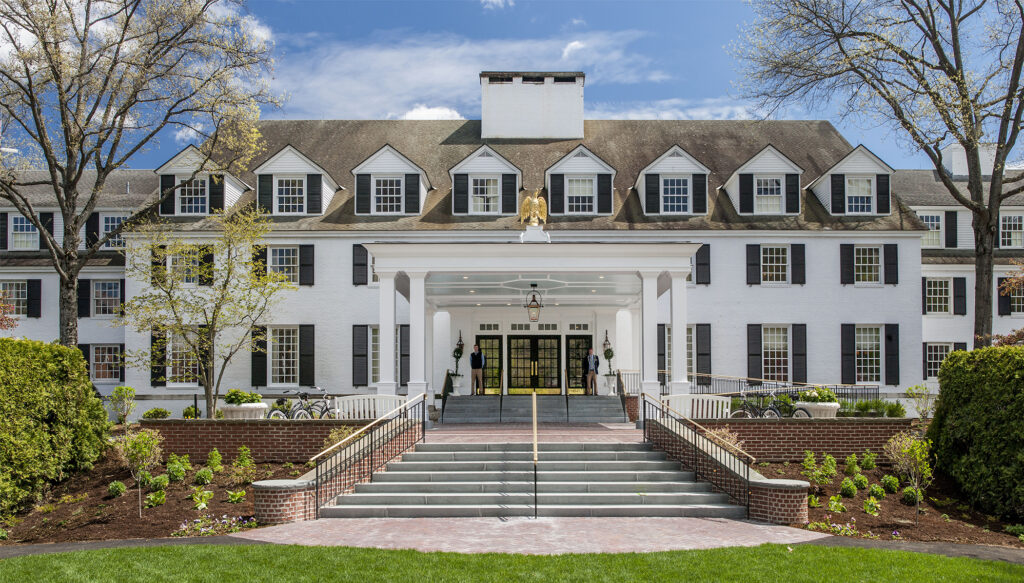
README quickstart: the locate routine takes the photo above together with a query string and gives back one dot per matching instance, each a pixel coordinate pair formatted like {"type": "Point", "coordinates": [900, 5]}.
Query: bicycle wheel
{"type": "Point", "coordinates": [802, 413]}
{"type": "Point", "coordinates": [771, 412]}
{"type": "Point", "coordinates": [301, 414]}
{"type": "Point", "coordinates": [276, 414]}
{"type": "Point", "coordinates": [741, 413]}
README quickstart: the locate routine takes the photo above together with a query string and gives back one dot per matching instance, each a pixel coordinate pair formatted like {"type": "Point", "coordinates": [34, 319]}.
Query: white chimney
{"type": "Point", "coordinates": [954, 159]}
{"type": "Point", "coordinates": [531, 105]}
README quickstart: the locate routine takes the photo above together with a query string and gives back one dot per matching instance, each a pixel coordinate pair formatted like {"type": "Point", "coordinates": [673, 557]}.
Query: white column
{"type": "Point", "coordinates": [680, 375]}
{"type": "Point", "coordinates": [417, 333]}
{"type": "Point", "coordinates": [387, 384]}
{"type": "Point", "coordinates": [428, 354]}
{"type": "Point", "coordinates": [649, 333]}
{"type": "Point", "coordinates": [624, 340]}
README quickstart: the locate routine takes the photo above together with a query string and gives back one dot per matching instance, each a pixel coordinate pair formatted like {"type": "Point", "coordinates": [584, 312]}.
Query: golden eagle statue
{"type": "Point", "coordinates": [534, 208]}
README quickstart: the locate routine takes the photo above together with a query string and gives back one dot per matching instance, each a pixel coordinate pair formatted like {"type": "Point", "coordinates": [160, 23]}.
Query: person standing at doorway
{"type": "Point", "coordinates": [476, 370]}
{"type": "Point", "coordinates": [590, 364]}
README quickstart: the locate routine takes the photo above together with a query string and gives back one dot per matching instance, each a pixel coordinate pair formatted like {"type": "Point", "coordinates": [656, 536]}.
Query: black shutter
{"type": "Point", "coordinates": [314, 194]}
{"type": "Point", "coordinates": [662, 352]}
{"type": "Point", "coordinates": [33, 302]}
{"type": "Point", "coordinates": [92, 229]}
{"type": "Point", "coordinates": [167, 206]}
{"type": "Point", "coordinates": [120, 362]}
{"type": "Point", "coordinates": [924, 360]}
{"type": "Point", "coordinates": [799, 353]}
{"type": "Point", "coordinates": [360, 360]}
{"type": "Point", "coordinates": [216, 192]}
{"type": "Point", "coordinates": [959, 296]}
{"type": "Point", "coordinates": [746, 193]}
{"type": "Point", "coordinates": [307, 356]}
{"type": "Point", "coordinates": [848, 360]}
{"type": "Point", "coordinates": [604, 193]}
{"type": "Point", "coordinates": [892, 354]}
{"type": "Point", "coordinates": [892, 263]}
{"type": "Point", "coordinates": [158, 263]}
{"type": "Point", "coordinates": [950, 225]}
{"type": "Point", "coordinates": [84, 297]}
{"type": "Point", "coordinates": [556, 196]}
{"type": "Point", "coordinates": [265, 193]}
{"type": "Point", "coordinates": [798, 272]}
{"type": "Point", "coordinates": [846, 263]}
{"type": "Point", "coordinates": [509, 193]}
{"type": "Point", "coordinates": [792, 193]}
{"type": "Point", "coordinates": [46, 219]}
{"type": "Point", "coordinates": [924, 295]}
{"type": "Point", "coordinates": [412, 194]}
{"type": "Point", "coordinates": [306, 258]}
{"type": "Point", "coordinates": [702, 265]}
{"type": "Point", "coordinates": [1003, 301]}
{"type": "Point", "coordinates": [652, 193]}
{"type": "Point", "coordinates": [700, 194]}
{"type": "Point", "coordinates": [753, 265]}
{"type": "Point", "coordinates": [206, 266]}
{"type": "Point", "coordinates": [460, 194]}
{"type": "Point", "coordinates": [882, 194]}
{"type": "Point", "coordinates": [3, 231]}
{"type": "Point", "coordinates": [702, 337]}
{"type": "Point", "coordinates": [360, 265]}
{"type": "Point", "coordinates": [959, 346]}
{"type": "Point", "coordinates": [754, 353]}
{"type": "Point", "coordinates": [363, 194]}
{"type": "Point", "coordinates": [259, 260]}
{"type": "Point", "coordinates": [84, 349]}
{"type": "Point", "coordinates": [403, 354]}
{"type": "Point", "coordinates": [838, 194]}
{"type": "Point", "coordinates": [258, 369]}
{"type": "Point", "coordinates": [158, 359]}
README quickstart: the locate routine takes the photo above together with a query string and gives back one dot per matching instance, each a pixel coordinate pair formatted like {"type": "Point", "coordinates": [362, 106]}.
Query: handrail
{"type": "Point", "coordinates": [710, 436]}
{"type": "Point", "coordinates": [755, 379]}
{"type": "Point", "coordinates": [535, 456]}
{"type": "Point", "coordinates": [374, 422]}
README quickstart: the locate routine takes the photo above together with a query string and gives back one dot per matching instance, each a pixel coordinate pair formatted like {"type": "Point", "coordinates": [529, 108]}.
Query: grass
{"type": "Point", "coordinates": [283, 564]}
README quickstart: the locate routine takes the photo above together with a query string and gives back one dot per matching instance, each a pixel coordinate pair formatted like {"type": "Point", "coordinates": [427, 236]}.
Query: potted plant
{"type": "Point", "coordinates": [243, 405]}
{"type": "Point", "coordinates": [819, 402]}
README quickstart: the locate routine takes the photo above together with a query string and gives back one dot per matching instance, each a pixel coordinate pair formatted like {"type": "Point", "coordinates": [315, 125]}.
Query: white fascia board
{"type": "Point", "coordinates": [186, 162]}
{"type": "Point", "coordinates": [668, 153]}
{"type": "Point", "coordinates": [769, 148]}
{"type": "Point", "coordinates": [554, 167]}
{"type": "Point", "coordinates": [484, 148]}
{"type": "Point", "coordinates": [288, 148]}
{"type": "Point", "coordinates": [862, 149]}
{"type": "Point", "coordinates": [389, 148]}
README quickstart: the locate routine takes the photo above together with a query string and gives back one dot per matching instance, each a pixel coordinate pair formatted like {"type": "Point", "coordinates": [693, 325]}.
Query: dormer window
{"type": "Point", "coordinates": [859, 194]}
{"type": "Point", "coordinates": [290, 195]}
{"type": "Point", "coordinates": [675, 194]}
{"type": "Point", "coordinates": [580, 194]}
{"type": "Point", "coordinates": [192, 197]}
{"type": "Point", "coordinates": [387, 195]}
{"type": "Point", "coordinates": [768, 195]}
{"type": "Point", "coordinates": [485, 195]}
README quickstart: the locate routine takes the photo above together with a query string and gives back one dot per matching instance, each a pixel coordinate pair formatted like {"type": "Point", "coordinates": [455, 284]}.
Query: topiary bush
{"type": "Point", "coordinates": [116, 489]}
{"type": "Point", "coordinates": [978, 428]}
{"type": "Point", "coordinates": [911, 496]}
{"type": "Point", "coordinates": [848, 489]}
{"type": "Point", "coordinates": [876, 491]}
{"type": "Point", "coordinates": [860, 481]}
{"type": "Point", "coordinates": [890, 484]}
{"type": "Point", "coordinates": [52, 422]}
{"type": "Point", "coordinates": [156, 413]}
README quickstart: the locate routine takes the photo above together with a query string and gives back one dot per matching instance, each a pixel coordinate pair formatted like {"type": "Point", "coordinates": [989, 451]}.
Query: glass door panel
{"type": "Point", "coordinates": [576, 348]}
{"type": "Point", "coordinates": [490, 346]}
{"type": "Point", "coordinates": [534, 362]}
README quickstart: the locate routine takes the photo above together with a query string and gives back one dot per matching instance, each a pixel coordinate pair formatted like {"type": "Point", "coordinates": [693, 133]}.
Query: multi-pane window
{"type": "Point", "coordinates": [858, 195]}
{"type": "Point", "coordinates": [15, 293]}
{"type": "Point", "coordinates": [775, 353]}
{"type": "Point", "coordinates": [579, 195]}
{"type": "Point", "coordinates": [109, 224]}
{"type": "Point", "coordinates": [192, 197]}
{"type": "Point", "coordinates": [387, 195]}
{"type": "Point", "coordinates": [934, 354]}
{"type": "Point", "coordinates": [866, 264]}
{"type": "Point", "coordinates": [374, 354]}
{"type": "Point", "coordinates": [1011, 231]}
{"type": "Point", "coordinates": [106, 362]}
{"type": "Point", "coordinates": [675, 194]}
{"type": "Point", "coordinates": [284, 356]}
{"type": "Point", "coordinates": [774, 264]}
{"type": "Point", "coordinates": [933, 238]}
{"type": "Point", "coordinates": [485, 195]}
{"type": "Point", "coordinates": [182, 364]}
{"type": "Point", "coordinates": [186, 266]}
{"type": "Point", "coordinates": [285, 260]}
{"type": "Point", "coordinates": [106, 298]}
{"type": "Point", "coordinates": [1017, 301]}
{"type": "Point", "coordinates": [869, 354]}
{"type": "Point", "coordinates": [690, 351]}
{"type": "Point", "coordinates": [768, 195]}
{"type": "Point", "coordinates": [291, 195]}
{"type": "Point", "coordinates": [936, 296]}
{"type": "Point", "coordinates": [23, 234]}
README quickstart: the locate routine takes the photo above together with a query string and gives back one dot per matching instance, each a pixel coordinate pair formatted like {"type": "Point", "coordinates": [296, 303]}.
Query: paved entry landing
{"type": "Point", "coordinates": [546, 433]}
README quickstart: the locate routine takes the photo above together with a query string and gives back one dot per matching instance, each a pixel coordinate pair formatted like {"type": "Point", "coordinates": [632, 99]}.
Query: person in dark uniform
{"type": "Point", "coordinates": [590, 364]}
{"type": "Point", "coordinates": [476, 370]}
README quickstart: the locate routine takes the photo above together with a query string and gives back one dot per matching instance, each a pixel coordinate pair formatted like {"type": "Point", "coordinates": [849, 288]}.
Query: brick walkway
{"type": "Point", "coordinates": [546, 433]}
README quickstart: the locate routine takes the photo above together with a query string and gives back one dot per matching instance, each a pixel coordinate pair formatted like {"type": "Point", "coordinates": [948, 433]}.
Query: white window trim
{"type": "Point", "coordinates": [305, 194]}
{"type": "Point", "coordinates": [789, 266]}
{"type": "Point", "coordinates": [92, 361]}
{"type": "Point", "coordinates": [1009, 214]}
{"type": "Point", "coordinates": [881, 354]}
{"type": "Point", "coordinates": [497, 210]}
{"type": "Point", "coordinates": [873, 197]}
{"type": "Point", "coordinates": [950, 345]}
{"type": "Point", "coordinates": [782, 194]}
{"type": "Point", "coordinates": [169, 266]}
{"type": "Point", "coordinates": [789, 350]}
{"type": "Point", "coordinates": [93, 298]}
{"type": "Point", "coordinates": [881, 267]}
{"type": "Point", "coordinates": [177, 194]}
{"type": "Point", "coordinates": [10, 235]}
{"type": "Point", "coordinates": [24, 282]}
{"type": "Point", "coordinates": [103, 230]}
{"type": "Point", "coordinates": [373, 193]}
{"type": "Point", "coordinates": [270, 358]}
{"type": "Point", "coordinates": [688, 183]}
{"type": "Point", "coordinates": [949, 303]}
{"type": "Point", "coordinates": [167, 371]}
{"type": "Point", "coordinates": [593, 194]}
{"type": "Point", "coordinates": [270, 257]}
{"type": "Point", "coordinates": [941, 231]}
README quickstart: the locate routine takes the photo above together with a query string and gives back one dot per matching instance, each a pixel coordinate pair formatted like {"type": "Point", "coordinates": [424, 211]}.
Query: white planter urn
{"type": "Point", "coordinates": [819, 410]}
{"type": "Point", "coordinates": [456, 385]}
{"type": "Point", "coordinates": [245, 411]}
{"type": "Point", "coordinates": [609, 385]}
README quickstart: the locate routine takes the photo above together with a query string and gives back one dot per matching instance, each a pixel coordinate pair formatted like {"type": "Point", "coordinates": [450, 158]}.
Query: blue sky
{"type": "Point", "coordinates": [393, 59]}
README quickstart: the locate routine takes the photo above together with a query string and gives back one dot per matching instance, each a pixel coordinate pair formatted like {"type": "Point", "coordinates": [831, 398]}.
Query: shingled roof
{"type": "Point", "coordinates": [123, 189]}
{"type": "Point", "coordinates": [925, 188]}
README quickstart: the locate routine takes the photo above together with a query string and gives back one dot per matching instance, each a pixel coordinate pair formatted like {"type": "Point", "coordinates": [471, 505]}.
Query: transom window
{"type": "Point", "coordinates": [775, 353]}
{"type": "Point", "coordinates": [24, 235]}
{"type": "Point", "coordinates": [579, 195]}
{"type": "Point", "coordinates": [285, 260]}
{"type": "Point", "coordinates": [106, 298]}
{"type": "Point", "coordinates": [935, 353]}
{"type": "Point", "coordinates": [15, 293]}
{"type": "Point", "coordinates": [192, 197]}
{"type": "Point", "coordinates": [109, 224]}
{"type": "Point", "coordinates": [1011, 231]}
{"type": "Point", "coordinates": [774, 264]}
{"type": "Point", "coordinates": [858, 195]}
{"type": "Point", "coordinates": [933, 238]}
{"type": "Point", "coordinates": [182, 365]}
{"type": "Point", "coordinates": [291, 195]}
{"type": "Point", "coordinates": [869, 354]}
{"type": "Point", "coordinates": [284, 356]}
{"type": "Point", "coordinates": [866, 264]}
{"type": "Point", "coordinates": [520, 327]}
{"type": "Point", "coordinates": [485, 195]}
{"type": "Point", "coordinates": [675, 194]}
{"type": "Point", "coordinates": [768, 195]}
{"type": "Point", "coordinates": [106, 362]}
{"type": "Point", "coordinates": [936, 296]}
{"type": "Point", "coordinates": [387, 195]}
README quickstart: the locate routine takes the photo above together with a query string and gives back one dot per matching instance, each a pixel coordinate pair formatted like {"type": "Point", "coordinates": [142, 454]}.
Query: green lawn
{"type": "Point", "coordinates": [282, 564]}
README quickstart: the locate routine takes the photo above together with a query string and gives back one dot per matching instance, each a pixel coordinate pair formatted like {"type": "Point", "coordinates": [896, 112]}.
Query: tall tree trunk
{"type": "Point", "coordinates": [68, 308]}
{"type": "Point", "coordinates": [984, 241]}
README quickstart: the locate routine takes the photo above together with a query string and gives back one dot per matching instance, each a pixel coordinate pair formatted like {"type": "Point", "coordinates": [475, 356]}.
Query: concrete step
{"type": "Point", "coordinates": [526, 498]}
{"type": "Point", "coordinates": [542, 476]}
{"type": "Point", "coordinates": [545, 466]}
{"type": "Point", "coordinates": [460, 510]}
{"type": "Point", "coordinates": [543, 456]}
{"type": "Point", "coordinates": [527, 486]}
{"type": "Point", "coordinates": [528, 446]}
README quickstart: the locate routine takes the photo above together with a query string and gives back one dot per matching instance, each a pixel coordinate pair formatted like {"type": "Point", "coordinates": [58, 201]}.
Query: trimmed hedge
{"type": "Point", "coordinates": [51, 420]}
{"type": "Point", "coordinates": [978, 429]}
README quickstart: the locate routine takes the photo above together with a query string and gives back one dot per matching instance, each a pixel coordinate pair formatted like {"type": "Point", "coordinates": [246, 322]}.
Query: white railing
{"type": "Point", "coordinates": [699, 406]}
{"type": "Point", "coordinates": [361, 407]}
{"type": "Point", "coordinates": [631, 381]}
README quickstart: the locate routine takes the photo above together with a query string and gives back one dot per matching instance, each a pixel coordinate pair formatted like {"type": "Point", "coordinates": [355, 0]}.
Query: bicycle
{"type": "Point", "coordinates": [303, 408]}
{"type": "Point", "coordinates": [775, 409]}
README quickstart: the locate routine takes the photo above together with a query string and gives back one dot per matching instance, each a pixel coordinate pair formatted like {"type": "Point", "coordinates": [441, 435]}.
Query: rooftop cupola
{"type": "Point", "coordinates": [525, 105]}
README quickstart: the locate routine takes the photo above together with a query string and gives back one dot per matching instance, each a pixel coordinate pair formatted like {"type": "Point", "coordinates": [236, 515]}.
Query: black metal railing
{"type": "Point", "coordinates": [724, 466]}
{"type": "Point", "coordinates": [354, 459]}
{"type": "Point", "coordinates": [707, 384]}
{"type": "Point", "coordinates": [620, 389]}
{"type": "Point", "coordinates": [446, 390]}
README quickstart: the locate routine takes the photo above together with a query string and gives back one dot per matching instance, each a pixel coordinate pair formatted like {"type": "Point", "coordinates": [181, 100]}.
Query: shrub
{"type": "Point", "coordinates": [876, 491]}
{"type": "Point", "coordinates": [154, 499]}
{"type": "Point", "coordinates": [817, 395]}
{"type": "Point", "coordinates": [158, 483]}
{"type": "Point", "coordinates": [156, 413]}
{"type": "Point", "coordinates": [236, 497]}
{"type": "Point", "coordinates": [829, 467]}
{"type": "Point", "coordinates": [852, 469]}
{"type": "Point", "coordinates": [909, 454]}
{"type": "Point", "coordinates": [867, 460]}
{"type": "Point", "coordinates": [122, 403]}
{"type": "Point", "coordinates": [895, 409]}
{"type": "Point", "coordinates": [52, 423]}
{"type": "Point", "coordinates": [835, 504]}
{"type": "Point", "coordinates": [243, 459]}
{"type": "Point", "coordinates": [3, 534]}
{"type": "Point", "coordinates": [176, 472]}
{"type": "Point", "coordinates": [1016, 529]}
{"type": "Point", "coordinates": [860, 481]}
{"type": "Point", "coordinates": [191, 412]}
{"type": "Point", "coordinates": [726, 438]}
{"type": "Point", "coordinates": [810, 464]}
{"type": "Point", "coordinates": [890, 484]}
{"type": "Point", "coordinates": [204, 476]}
{"type": "Point", "coordinates": [138, 452]}
{"type": "Point", "coordinates": [848, 489]}
{"type": "Point", "coordinates": [911, 496]}
{"type": "Point", "coordinates": [871, 506]}
{"type": "Point", "coordinates": [924, 401]}
{"type": "Point", "coordinates": [144, 479]}
{"type": "Point", "coordinates": [182, 460]}
{"type": "Point", "coordinates": [240, 397]}
{"type": "Point", "coordinates": [337, 435]}
{"type": "Point", "coordinates": [115, 489]}
{"type": "Point", "coordinates": [978, 429]}
{"type": "Point", "coordinates": [213, 461]}
{"type": "Point", "coordinates": [200, 497]}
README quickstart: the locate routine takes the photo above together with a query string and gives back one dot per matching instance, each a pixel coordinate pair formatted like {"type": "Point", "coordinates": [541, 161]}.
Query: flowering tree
{"type": "Point", "coordinates": [6, 321]}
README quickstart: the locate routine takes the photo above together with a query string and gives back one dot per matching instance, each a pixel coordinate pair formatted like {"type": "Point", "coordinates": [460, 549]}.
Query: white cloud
{"type": "Point", "coordinates": [578, 22]}
{"type": "Point", "coordinates": [675, 108]}
{"type": "Point", "coordinates": [187, 135]}
{"type": "Point", "coordinates": [423, 112]}
{"type": "Point", "coordinates": [496, 4]}
{"type": "Point", "coordinates": [571, 48]}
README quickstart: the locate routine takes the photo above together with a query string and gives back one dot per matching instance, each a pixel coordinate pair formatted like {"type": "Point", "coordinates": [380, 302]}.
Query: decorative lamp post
{"type": "Point", "coordinates": [608, 352]}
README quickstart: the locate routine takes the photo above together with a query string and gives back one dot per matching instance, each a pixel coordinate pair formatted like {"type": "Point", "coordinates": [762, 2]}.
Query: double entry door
{"type": "Point", "coordinates": [535, 362]}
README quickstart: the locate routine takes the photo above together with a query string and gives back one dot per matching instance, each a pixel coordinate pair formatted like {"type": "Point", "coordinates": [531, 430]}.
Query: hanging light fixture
{"type": "Point", "coordinates": [534, 302]}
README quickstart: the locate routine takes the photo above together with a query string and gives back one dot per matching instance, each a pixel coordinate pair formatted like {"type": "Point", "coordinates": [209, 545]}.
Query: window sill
{"type": "Point", "coordinates": [942, 316]}
{"type": "Point", "coordinates": [776, 284]}
{"type": "Point", "coordinates": [878, 285]}
{"type": "Point", "coordinates": [182, 386]}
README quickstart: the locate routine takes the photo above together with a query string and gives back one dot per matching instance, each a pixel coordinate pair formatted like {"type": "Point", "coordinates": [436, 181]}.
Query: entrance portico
{"type": "Point", "coordinates": [608, 286]}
